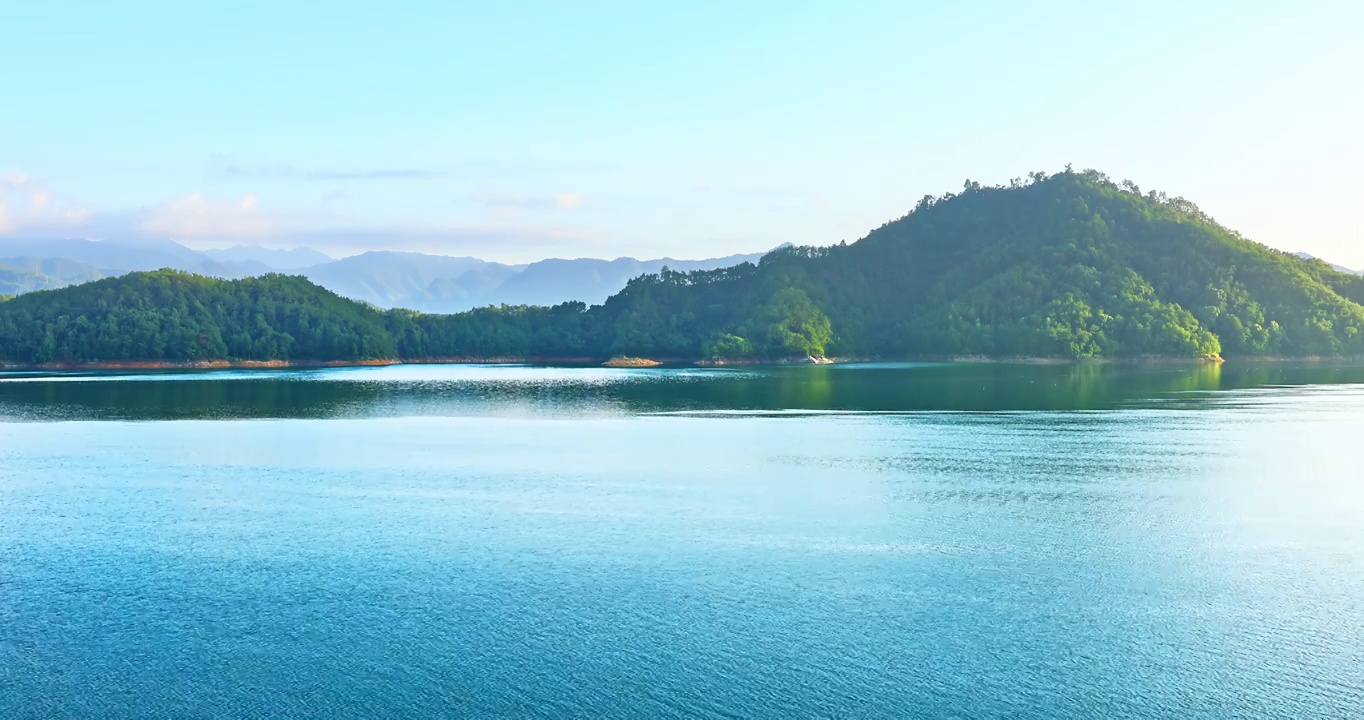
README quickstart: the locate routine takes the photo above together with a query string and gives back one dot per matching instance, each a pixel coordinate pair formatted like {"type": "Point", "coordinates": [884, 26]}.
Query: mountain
{"type": "Point", "coordinates": [390, 279]}
{"type": "Point", "coordinates": [591, 281]}
{"type": "Point", "coordinates": [1071, 265]}
{"type": "Point", "coordinates": [1333, 266]}
{"type": "Point", "coordinates": [437, 283]}
{"type": "Point", "coordinates": [550, 281]}
{"type": "Point", "coordinates": [431, 283]}
{"type": "Point", "coordinates": [231, 269]}
{"type": "Point", "coordinates": [1066, 266]}
{"type": "Point", "coordinates": [26, 274]}
{"type": "Point", "coordinates": [466, 291]}
{"type": "Point", "coordinates": [172, 316]}
{"type": "Point", "coordinates": [116, 256]}
{"type": "Point", "coordinates": [68, 261]}
{"type": "Point", "coordinates": [290, 259]}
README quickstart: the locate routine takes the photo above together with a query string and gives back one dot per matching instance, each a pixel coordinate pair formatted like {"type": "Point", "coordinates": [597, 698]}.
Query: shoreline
{"type": "Point", "coordinates": [199, 365]}
{"type": "Point", "coordinates": [983, 360]}
{"type": "Point", "coordinates": [627, 363]}
{"type": "Point", "coordinates": [498, 360]}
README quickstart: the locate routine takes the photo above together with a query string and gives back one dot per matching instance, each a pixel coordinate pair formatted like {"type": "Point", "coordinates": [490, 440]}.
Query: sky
{"type": "Point", "coordinates": [514, 131]}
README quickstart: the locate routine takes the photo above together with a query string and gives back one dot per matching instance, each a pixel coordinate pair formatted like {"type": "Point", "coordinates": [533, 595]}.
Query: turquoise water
{"type": "Point", "coordinates": [884, 541]}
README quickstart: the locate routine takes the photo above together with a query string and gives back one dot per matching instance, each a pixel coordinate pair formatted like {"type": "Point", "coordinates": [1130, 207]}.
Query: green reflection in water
{"type": "Point", "coordinates": [474, 390]}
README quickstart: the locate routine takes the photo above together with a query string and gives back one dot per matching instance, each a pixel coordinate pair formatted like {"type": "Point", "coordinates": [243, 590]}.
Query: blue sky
{"type": "Point", "coordinates": [519, 130]}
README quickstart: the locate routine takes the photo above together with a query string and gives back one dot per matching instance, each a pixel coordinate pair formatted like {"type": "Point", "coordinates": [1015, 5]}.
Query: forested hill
{"type": "Point", "coordinates": [174, 316]}
{"type": "Point", "coordinates": [1070, 265]}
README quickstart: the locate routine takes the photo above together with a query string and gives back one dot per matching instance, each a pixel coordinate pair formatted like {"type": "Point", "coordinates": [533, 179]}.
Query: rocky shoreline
{"type": "Point", "coordinates": [630, 362]}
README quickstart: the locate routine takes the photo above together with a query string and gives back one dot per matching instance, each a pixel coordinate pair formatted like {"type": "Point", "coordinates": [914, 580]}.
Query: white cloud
{"type": "Point", "coordinates": [13, 180]}
{"type": "Point", "coordinates": [73, 216]}
{"type": "Point", "coordinates": [504, 204]}
{"type": "Point", "coordinates": [26, 203]}
{"type": "Point", "coordinates": [41, 200]}
{"type": "Point", "coordinates": [197, 215]}
{"type": "Point", "coordinates": [520, 227]}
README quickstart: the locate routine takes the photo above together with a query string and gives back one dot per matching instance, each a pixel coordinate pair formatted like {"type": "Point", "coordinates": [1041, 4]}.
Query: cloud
{"type": "Point", "coordinates": [75, 216]}
{"type": "Point", "coordinates": [27, 204]}
{"type": "Point", "coordinates": [501, 202]}
{"type": "Point", "coordinates": [13, 180]}
{"type": "Point", "coordinates": [226, 167]}
{"type": "Point", "coordinates": [199, 220]}
{"type": "Point", "coordinates": [41, 200]}
{"type": "Point", "coordinates": [197, 216]}
{"type": "Point", "coordinates": [29, 208]}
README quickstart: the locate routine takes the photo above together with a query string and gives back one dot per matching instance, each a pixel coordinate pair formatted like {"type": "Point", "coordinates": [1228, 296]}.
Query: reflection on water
{"type": "Point", "coordinates": [760, 543]}
{"type": "Point", "coordinates": [457, 390]}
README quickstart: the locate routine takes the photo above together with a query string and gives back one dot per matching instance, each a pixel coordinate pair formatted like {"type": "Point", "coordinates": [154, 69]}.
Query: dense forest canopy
{"type": "Point", "coordinates": [1071, 265]}
{"type": "Point", "coordinates": [174, 316]}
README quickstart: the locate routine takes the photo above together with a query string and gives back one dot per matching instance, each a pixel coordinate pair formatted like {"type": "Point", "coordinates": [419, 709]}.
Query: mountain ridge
{"type": "Point", "coordinates": [432, 283]}
{"type": "Point", "coordinates": [278, 259]}
{"type": "Point", "coordinates": [25, 274]}
{"type": "Point", "coordinates": [1337, 268]}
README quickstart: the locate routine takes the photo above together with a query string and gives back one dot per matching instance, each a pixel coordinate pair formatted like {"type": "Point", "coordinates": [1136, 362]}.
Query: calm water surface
{"type": "Point", "coordinates": [880, 541]}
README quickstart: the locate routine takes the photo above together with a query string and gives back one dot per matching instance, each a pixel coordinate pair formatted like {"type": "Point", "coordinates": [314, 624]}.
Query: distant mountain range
{"type": "Point", "coordinates": [116, 258]}
{"type": "Point", "coordinates": [549, 282]}
{"type": "Point", "coordinates": [292, 259]}
{"type": "Point", "coordinates": [1334, 266]}
{"type": "Point", "coordinates": [397, 279]}
{"type": "Point", "coordinates": [430, 283]}
{"type": "Point", "coordinates": [25, 274]}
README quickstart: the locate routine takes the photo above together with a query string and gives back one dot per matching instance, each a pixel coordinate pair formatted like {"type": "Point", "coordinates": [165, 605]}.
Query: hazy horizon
{"type": "Point", "coordinates": [608, 130]}
{"type": "Point", "coordinates": [333, 255]}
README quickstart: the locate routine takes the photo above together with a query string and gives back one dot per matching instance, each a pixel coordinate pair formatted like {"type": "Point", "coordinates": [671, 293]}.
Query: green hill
{"type": "Point", "coordinates": [1070, 266]}
{"type": "Point", "coordinates": [173, 316]}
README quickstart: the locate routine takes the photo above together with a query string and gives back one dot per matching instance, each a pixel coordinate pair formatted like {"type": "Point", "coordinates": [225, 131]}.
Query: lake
{"type": "Point", "coordinates": [881, 541]}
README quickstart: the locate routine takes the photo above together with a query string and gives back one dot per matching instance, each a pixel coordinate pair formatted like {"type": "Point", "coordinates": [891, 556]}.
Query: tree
{"type": "Point", "coordinates": [789, 324]}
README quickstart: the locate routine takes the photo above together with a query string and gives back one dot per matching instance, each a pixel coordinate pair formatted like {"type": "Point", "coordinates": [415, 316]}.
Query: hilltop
{"type": "Point", "coordinates": [1071, 265]}
{"type": "Point", "coordinates": [175, 317]}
